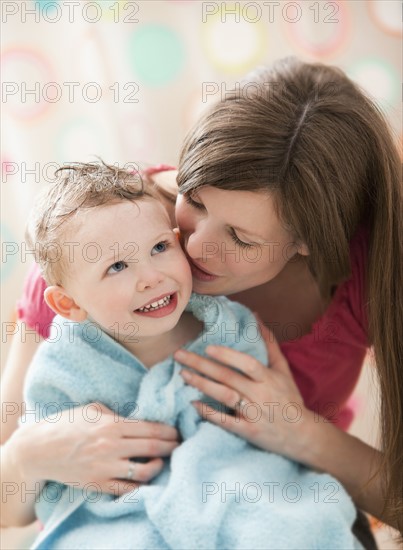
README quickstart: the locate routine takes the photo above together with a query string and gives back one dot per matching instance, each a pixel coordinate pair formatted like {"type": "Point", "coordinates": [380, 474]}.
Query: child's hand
{"type": "Point", "coordinates": [269, 409]}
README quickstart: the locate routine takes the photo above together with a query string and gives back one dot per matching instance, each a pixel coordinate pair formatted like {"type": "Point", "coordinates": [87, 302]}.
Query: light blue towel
{"type": "Point", "coordinates": [216, 491]}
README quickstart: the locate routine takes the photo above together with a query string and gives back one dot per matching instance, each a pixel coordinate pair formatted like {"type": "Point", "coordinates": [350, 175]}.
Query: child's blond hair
{"type": "Point", "coordinates": [79, 186]}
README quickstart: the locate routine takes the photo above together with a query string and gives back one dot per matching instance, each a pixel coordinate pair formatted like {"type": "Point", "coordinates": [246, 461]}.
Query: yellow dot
{"type": "Point", "coordinates": [233, 38]}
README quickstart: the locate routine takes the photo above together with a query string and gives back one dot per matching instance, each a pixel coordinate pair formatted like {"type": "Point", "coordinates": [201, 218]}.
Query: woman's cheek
{"type": "Point", "coordinates": [257, 264]}
{"type": "Point", "coordinates": [240, 264]}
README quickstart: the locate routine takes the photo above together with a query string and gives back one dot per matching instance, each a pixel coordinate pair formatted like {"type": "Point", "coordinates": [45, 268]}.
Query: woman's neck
{"type": "Point", "coordinates": [289, 304]}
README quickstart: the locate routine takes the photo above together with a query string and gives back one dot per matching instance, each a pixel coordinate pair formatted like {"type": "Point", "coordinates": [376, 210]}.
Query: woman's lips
{"type": "Point", "coordinates": [200, 274]}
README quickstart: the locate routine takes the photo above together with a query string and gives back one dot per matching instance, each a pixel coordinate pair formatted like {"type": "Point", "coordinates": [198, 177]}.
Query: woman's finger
{"type": "Point", "coordinates": [235, 424]}
{"type": "Point", "coordinates": [119, 487]}
{"type": "Point", "coordinates": [210, 368]}
{"type": "Point", "coordinates": [247, 364]}
{"type": "Point", "coordinates": [133, 471]}
{"type": "Point", "coordinates": [153, 430]}
{"type": "Point", "coordinates": [224, 394]}
{"type": "Point", "coordinates": [146, 447]}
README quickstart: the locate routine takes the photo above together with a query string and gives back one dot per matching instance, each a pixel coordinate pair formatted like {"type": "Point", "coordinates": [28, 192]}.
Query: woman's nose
{"type": "Point", "coordinates": [148, 279]}
{"type": "Point", "coordinates": [201, 244]}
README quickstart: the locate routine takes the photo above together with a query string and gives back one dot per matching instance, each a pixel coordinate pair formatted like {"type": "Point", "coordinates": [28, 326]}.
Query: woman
{"type": "Point", "coordinates": [290, 202]}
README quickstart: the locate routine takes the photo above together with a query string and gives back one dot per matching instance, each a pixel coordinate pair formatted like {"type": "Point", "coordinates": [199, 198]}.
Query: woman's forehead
{"type": "Point", "coordinates": [251, 211]}
{"type": "Point", "coordinates": [247, 203]}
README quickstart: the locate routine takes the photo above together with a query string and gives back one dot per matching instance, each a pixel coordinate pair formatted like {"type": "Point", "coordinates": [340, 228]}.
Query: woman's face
{"type": "Point", "coordinates": [233, 239]}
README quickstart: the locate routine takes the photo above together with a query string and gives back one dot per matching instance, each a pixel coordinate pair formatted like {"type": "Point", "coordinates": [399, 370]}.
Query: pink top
{"type": "Point", "coordinates": [326, 363]}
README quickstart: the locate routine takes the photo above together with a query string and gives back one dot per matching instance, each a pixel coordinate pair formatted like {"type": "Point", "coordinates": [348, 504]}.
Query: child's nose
{"type": "Point", "coordinates": [149, 278]}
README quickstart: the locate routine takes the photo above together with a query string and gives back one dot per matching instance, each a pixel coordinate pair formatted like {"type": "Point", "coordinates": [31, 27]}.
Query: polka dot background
{"type": "Point", "coordinates": [378, 77]}
{"type": "Point", "coordinates": [322, 30]}
{"type": "Point", "coordinates": [33, 95]}
{"type": "Point", "coordinates": [234, 39]}
{"type": "Point", "coordinates": [387, 15]}
{"type": "Point", "coordinates": [157, 54]}
{"type": "Point", "coordinates": [126, 80]}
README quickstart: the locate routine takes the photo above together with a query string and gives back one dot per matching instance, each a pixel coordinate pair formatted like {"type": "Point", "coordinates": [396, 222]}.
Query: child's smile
{"type": "Point", "coordinates": [140, 290]}
{"type": "Point", "coordinates": [159, 307]}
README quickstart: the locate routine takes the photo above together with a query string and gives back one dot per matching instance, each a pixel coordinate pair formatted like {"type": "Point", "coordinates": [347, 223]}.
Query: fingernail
{"type": "Point", "coordinates": [186, 375]}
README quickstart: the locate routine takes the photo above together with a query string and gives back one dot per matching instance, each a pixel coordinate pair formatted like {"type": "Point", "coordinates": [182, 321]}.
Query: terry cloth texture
{"type": "Point", "coordinates": [216, 490]}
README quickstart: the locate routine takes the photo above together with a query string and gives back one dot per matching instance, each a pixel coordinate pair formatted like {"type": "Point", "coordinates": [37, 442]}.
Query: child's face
{"type": "Point", "coordinates": [128, 257]}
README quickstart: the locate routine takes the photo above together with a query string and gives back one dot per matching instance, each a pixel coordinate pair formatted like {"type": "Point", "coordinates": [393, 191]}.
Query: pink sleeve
{"type": "Point", "coordinates": [31, 307]}
{"type": "Point", "coordinates": [159, 168]}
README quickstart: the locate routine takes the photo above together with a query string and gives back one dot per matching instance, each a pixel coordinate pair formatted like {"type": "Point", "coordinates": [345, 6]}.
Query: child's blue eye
{"type": "Point", "coordinates": [160, 247]}
{"type": "Point", "coordinates": [116, 267]}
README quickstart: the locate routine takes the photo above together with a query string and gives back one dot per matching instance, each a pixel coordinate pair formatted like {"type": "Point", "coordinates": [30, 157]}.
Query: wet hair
{"type": "Point", "coordinates": [310, 137]}
{"type": "Point", "coordinates": [78, 187]}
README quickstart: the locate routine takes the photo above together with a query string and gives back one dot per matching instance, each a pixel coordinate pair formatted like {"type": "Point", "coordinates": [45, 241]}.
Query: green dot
{"type": "Point", "coordinates": [50, 5]}
{"type": "Point", "coordinates": [156, 53]}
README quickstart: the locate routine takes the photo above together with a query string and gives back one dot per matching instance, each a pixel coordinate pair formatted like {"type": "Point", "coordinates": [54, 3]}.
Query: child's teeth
{"type": "Point", "coordinates": [155, 305]}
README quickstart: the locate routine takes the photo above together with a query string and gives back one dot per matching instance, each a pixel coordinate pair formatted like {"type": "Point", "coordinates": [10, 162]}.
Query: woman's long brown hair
{"type": "Point", "coordinates": [308, 135]}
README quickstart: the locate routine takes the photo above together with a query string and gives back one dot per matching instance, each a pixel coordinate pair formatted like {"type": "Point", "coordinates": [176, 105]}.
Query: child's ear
{"type": "Point", "coordinates": [63, 304]}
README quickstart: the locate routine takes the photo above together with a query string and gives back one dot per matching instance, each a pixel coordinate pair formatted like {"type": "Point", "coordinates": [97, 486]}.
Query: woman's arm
{"type": "Point", "coordinates": [18, 489]}
{"type": "Point", "coordinates": [23, 345]}
{"type": "Point", "coordinates": [327, 448]}
{"type": "Point", "coordinates": [311, 439]}
{"type": "Point", "coordinates": [72, 450]}
{"type": "Point", "coordinates": [76, 451]}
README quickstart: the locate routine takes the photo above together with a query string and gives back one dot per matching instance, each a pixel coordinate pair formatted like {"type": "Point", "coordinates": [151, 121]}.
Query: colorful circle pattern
{"type": "Point", "coordinates": [233, 37]}
{"type": "Point", "coordinates": [157, 54]}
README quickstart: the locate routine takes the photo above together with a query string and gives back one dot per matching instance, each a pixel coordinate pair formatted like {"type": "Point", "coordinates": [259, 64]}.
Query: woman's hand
{"type": "Point", "coordinates": [75, 450]}
{"type": "Point", "coordinates": [269, 409]}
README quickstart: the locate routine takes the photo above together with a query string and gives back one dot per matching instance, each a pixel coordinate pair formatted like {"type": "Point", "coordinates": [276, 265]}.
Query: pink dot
{"type": "Point", "coordinates": [332, 17]}
{"type": "Point", "coordinates": [26, 72]}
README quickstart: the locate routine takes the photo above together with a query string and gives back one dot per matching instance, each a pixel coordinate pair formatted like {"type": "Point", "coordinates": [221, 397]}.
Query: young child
{"type": "Point", "coordinates": [121, 287]}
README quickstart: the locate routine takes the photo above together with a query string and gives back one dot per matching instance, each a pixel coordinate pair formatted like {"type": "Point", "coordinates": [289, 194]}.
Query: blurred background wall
{"type": "Point", "coordinates": [125, 80]}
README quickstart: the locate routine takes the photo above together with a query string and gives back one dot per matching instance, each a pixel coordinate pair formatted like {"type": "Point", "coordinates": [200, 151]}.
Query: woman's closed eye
{"type": "Point", "coordinates": [238, 241]}
{"type": "Point", "coordinates": [192, 202]}
{"type": "Point", "coordinates": [201, 206]}
{"type": "Point", "coordinates": [117, 267]}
